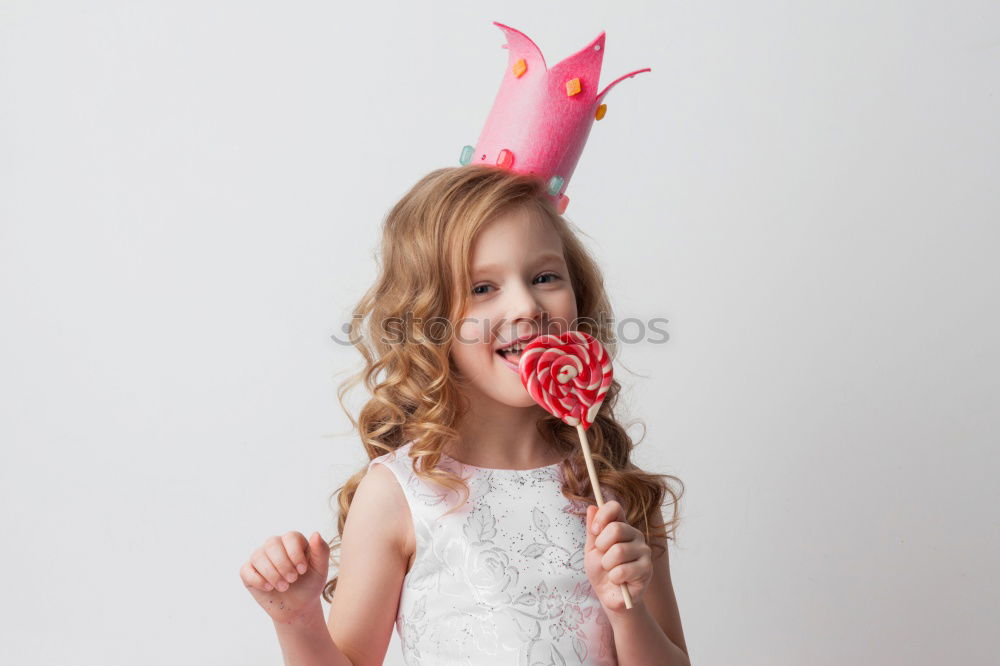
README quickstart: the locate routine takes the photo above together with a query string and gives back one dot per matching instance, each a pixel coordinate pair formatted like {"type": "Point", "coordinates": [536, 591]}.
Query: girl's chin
{"type": "Point", "coordinates": [521, 402]}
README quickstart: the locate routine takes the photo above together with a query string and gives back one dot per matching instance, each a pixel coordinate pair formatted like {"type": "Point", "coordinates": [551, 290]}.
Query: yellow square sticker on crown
{"type": "Point", "coordinates": [572, 87]}
{"type": "Point", "coordinates": [520, 67]}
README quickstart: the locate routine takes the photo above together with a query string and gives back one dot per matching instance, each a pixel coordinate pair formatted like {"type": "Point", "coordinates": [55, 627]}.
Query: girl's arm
{"type": "Point", "coordinates": [308, 643]}
{"type": "Point", "coordinates": [651, 631]}
{"type": "Point", "coordinates": [372, 566]}
{"type": "Point", "coordinates": [375, 552]}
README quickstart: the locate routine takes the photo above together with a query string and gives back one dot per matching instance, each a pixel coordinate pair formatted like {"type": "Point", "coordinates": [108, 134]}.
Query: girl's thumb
{"type": "Point", "coordinates": [319, 552]}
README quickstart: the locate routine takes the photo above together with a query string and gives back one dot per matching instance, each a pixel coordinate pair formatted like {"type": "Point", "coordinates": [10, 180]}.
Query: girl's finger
{"type": "Point", "coordinates": [252, 578]}
{"type": "Point", "coordinates": [609, 513]}
{"type": "Point", "coordinates": [620, 553]}
{"type": "Point", "coordinates": [275, 550]}
{"type": "Point", "coordinates": [628, 572]}
{"type": "Point", "coordinates": [590, 539]}
{"type": "Point", "coordinates": [614, 533]}
{"type": "Point", "coordinates": [295, 548]}
{"type": "Point", "coordinates": [319, 553]}
{"type": "Point", "coordinates": [262, 563]}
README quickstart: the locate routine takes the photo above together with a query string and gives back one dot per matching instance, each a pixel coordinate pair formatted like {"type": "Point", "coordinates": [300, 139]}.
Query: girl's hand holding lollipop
{"type": "Point", "coordinates": [616, 553]}
{"type": "Point", "coordinates": [569, 376]}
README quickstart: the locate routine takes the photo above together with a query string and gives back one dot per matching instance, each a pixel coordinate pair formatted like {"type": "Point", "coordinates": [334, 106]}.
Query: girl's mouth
{"type": "Point", "coordinates": [511, 358]}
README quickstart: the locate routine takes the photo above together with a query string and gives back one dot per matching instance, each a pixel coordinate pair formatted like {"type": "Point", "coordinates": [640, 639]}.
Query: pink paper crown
{"type": "Point", "coordinates": [541, 117]}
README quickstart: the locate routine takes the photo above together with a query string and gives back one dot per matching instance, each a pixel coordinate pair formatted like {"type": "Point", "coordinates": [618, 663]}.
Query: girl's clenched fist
{"type": "Point", "coordinates": [286, 574]}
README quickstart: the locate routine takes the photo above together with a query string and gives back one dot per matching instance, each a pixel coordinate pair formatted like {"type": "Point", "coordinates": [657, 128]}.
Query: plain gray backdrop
{"type": "Point", "coordinates": [190, 194]}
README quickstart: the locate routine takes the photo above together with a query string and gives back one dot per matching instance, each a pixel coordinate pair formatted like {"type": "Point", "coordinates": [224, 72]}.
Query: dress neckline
{"type": "Point", "coordinates": [503, 469]}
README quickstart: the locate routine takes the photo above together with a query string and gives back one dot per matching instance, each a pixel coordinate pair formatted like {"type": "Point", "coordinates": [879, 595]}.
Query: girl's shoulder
{"type": "Point", "coordinates": [398, 463]}
{"type": "Point", "coordinates": [397, 460]}
{"type": "Point", "coordinates": [387, 499]}
{"type": "Point", "coordinates": [422, 496]}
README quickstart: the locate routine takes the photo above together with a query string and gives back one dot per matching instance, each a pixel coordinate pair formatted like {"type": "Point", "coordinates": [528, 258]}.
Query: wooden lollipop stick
{"type": "Point", "coordinates": [597, 493]}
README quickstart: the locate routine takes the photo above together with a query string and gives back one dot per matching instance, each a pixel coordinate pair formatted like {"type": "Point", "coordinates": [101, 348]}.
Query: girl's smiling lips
{"type": "Point", "coordinates": [509, 363]}
{"type": "Point", "coordinates": [524, 339]}
{"type": "Point", "coordinates": [514, 363]}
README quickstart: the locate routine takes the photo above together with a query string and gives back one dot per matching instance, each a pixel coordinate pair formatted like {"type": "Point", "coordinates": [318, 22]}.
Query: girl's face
{"type": "Point", "coordinates": [520, 289]}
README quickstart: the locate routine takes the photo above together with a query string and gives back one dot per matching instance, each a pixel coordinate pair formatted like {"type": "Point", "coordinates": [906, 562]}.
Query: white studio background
{"type": "Point", "coordinates": [189, 199]}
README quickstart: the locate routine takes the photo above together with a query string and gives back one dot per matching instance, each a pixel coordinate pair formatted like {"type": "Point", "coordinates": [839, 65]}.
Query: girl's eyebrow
{"type": "Point", "coordinates": [547, 256]}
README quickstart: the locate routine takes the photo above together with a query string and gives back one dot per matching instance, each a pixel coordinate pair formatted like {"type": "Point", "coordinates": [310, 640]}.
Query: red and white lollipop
{"type": "Point", "coordinates": [569, 375]}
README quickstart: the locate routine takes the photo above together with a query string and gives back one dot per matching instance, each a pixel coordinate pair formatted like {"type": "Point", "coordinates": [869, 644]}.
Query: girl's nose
{"type": "Point", "coordinates": [523, 305]}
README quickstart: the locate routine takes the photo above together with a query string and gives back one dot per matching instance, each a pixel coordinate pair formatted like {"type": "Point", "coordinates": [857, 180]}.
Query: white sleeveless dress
{"type": "Point", "coordinates": [500, 580]}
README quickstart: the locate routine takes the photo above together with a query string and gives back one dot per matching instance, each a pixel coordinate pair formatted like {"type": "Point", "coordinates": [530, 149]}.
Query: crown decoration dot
{"type": "Point", "coordinates": [555, 184]}
{"type": "Point", "coordinates": [562, 203]}
{"type": "Point", "coordinates": [505, 159]}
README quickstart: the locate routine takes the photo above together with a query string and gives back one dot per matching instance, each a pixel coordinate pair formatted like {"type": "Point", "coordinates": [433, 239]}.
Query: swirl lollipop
{"type": "Point", "coordinates": [569, 375]}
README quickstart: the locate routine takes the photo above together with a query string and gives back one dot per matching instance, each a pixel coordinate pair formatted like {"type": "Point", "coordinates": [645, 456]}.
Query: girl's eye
{"type": "Point", "coordinates": [476, 290]}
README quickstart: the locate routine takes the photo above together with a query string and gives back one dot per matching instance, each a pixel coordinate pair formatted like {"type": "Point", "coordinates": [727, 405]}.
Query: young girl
{"type": "Point", "coordinates": [473, 527]}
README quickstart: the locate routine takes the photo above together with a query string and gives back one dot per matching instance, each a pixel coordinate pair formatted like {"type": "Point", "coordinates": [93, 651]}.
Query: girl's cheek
{"type": "Point", "coordinates": [469, 333]}
{"type": "Point", "coordinates": [564, 303]}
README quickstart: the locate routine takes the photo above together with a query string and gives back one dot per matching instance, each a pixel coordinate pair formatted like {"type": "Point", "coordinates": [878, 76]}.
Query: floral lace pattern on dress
{"type": "Point", "coordinates": [500, 580]}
